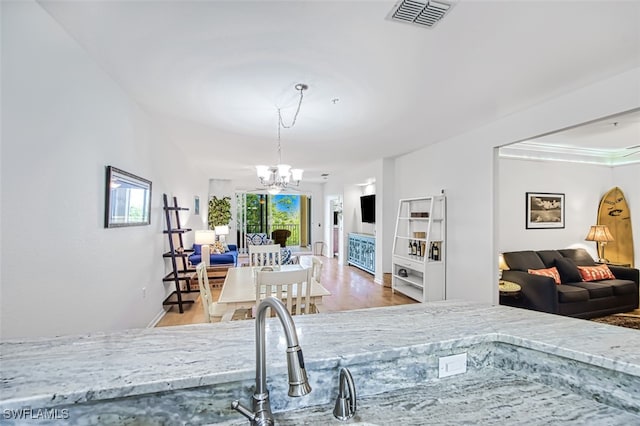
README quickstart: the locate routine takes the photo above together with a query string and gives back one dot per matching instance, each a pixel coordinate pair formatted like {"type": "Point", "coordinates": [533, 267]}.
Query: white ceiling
{"type": "Point", "coordinates": [212, 73]}
{"type": "Point", "coordinates": [610, 141]}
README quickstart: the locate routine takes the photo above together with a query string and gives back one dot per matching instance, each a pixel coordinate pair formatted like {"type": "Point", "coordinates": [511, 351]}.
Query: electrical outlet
{"type": "Point", "coordinates": [451, 365]}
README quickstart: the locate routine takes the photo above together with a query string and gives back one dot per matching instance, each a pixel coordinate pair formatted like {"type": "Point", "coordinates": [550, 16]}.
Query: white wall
{"type": "Point", "coordinates": [627, 178]}
{"type": "Point", "coordinates": [64, 120]}
{"type": "Point", "coordinates": [583, 186]}
{"type": "Point", "coordinates": [346, 186]}
{"type": "Point", "coordinates": [464, 166]}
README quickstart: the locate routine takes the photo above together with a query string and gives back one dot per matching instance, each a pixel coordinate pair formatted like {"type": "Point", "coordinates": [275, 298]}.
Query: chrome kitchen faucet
{"type": "Point", "coordinates": [298, 382]}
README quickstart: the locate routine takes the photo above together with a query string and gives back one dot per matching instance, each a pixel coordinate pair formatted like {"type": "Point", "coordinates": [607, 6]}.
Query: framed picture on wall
{"type": "Point", "coordinates": [127, 199]}
{"type": "Point", "coordinates": [544, 210]}
{"type": "Point", "coordinates": [196, 205]}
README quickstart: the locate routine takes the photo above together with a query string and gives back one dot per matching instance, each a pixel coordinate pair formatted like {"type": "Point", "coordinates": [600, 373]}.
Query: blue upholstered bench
{"type": "Point", "coordinates": [228, 258]}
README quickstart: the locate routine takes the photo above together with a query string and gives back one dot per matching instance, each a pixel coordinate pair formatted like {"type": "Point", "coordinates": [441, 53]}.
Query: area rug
{"type": "Point", "coordinates": [621, 320]}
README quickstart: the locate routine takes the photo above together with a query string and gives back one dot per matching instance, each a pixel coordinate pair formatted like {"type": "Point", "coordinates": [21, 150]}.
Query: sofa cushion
{"type": "Point", "coordinates": [228, 258]}
{"type": "Point", "coordinates": [596, 273]}
{"type": "Point", "coordinates": [285, 255]}
{"type": "Point", "coordinates": [621, 287]}
{"type": "Point", "coordinates": [197, 249]}
{"type": "Point", "coordinates": [571, 293]}
{"type": "Point", "coordinates": [568, 270]}
{"type": "Point", "coordinates": [523, 260]}
{"type": "Point", "coordinates": [549, 257]}
{"type": "Point", "coordinates": [596, 290]}
{"type": "Point", "coordinates": [548, 272]}
{"type": "Point", "coordinates": [579, 256]}
{"type": "Point", "coordinates": [258, 239]}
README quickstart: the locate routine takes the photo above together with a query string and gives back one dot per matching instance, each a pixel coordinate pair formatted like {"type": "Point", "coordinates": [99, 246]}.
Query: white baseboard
{"type": "Point", "coordinates": [157, 318]}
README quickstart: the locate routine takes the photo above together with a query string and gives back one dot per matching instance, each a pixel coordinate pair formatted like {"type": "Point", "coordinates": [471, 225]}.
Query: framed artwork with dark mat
{"type": "Point", "coordinates": [544, 210]}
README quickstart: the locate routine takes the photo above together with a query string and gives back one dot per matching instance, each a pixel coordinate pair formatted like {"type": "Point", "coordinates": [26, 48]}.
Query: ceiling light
{"type": "Point", "coordinates": [278, 177]}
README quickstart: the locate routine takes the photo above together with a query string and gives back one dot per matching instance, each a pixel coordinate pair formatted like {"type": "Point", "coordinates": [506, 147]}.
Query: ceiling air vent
{"type": "Point", "coordinates": [424, 13]}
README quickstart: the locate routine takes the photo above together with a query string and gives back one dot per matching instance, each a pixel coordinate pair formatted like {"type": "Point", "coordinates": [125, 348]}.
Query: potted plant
{"type": "Point", "coordinates": [219, 211]}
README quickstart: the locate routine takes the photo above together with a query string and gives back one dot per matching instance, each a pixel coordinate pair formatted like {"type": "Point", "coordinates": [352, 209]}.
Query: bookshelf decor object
{"type": "Point", "coordinates": [418, 259]}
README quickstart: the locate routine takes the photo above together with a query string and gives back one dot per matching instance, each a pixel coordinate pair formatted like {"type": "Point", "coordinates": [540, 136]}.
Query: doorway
{"type": "Point", "coordinates": [336, 227]}
{"type": "Point", "coordinates": [264, 213]}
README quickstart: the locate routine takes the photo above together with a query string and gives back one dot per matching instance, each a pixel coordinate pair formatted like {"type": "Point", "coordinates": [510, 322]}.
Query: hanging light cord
{"type": "Point", "coordinates": [300, 88]}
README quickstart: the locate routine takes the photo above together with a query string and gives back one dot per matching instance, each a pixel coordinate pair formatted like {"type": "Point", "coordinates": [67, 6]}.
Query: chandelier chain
{"type": "Point", "coordinates": [293, 123]}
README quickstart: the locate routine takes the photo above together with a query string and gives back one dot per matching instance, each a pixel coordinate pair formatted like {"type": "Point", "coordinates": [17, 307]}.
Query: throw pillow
{"type": "Point", "coordinates": [596, 273]}
{"type": "Point", "coordinates": [225, 247]}
{"type": "Point", "coordinates": [217, 248]}
{"type": "Point", "coordinates": [197, 249]}
{"type": "Point", "coordinates": [285, 255]}
{"type": "Point", "coordinates": [568, 271]}
{"type": "Point", "coordinates": [549, 272]}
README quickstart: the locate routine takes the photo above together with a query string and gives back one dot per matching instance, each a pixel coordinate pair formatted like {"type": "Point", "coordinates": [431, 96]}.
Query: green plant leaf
{"type": "Point", "coordinates": [219, 211]}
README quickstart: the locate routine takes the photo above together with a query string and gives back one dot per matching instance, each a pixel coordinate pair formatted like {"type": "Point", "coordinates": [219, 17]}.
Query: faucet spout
{"type": "Point", "coordinates": [345, 406]}
{"type": "Point", "coordinates": [298, 382]}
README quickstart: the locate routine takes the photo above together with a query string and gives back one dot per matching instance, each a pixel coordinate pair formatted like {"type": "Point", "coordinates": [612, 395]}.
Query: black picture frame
{"type": "Point", "coordinates": [127, 199]}
{"type": "Point", "coordinates": [545, 210]}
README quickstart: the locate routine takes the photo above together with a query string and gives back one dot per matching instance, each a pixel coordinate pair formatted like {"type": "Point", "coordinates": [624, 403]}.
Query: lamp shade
{"type": "Point", "coordinates": [296, 174]}
{"type": "Point", "coordinates": [263, 172]}
{"type": "Point", "coordinates": [283, 170]}
{"type": "Point", "coordinates": [502, 265]}
{"type": "Point", "coordinates": [222, 230]}
{"type": "Point", "coordinates": [599, 233]}
{"type": "Point", "coordinates": [205, 237]}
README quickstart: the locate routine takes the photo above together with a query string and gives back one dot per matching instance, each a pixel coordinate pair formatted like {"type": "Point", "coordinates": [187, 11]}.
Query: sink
{"type": "Point", "coordinates": [505, 384]}
{"type": "Point", "coordinates": [487, 397]}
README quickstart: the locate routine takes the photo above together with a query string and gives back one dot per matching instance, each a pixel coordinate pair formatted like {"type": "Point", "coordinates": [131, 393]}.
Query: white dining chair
{"type": "Point", "coordinates": [292, 287]}
{"type": "Point", "coordinates": [316, 268]}
{"type": "Point", "coordinates": [265, 255]}
{"type": "Point", "coordinates": [213, 311]}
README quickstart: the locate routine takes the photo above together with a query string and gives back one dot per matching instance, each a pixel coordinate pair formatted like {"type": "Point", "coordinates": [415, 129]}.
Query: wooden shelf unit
{"type": "Point", "coordinates": [180, 271]}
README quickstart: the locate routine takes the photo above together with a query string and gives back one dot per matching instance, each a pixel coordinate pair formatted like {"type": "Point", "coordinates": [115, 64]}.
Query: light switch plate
{"type": "Point", "coordinates": [451, 365]}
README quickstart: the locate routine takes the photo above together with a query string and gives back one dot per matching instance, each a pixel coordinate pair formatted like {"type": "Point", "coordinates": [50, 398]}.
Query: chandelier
{"type": "Point", "coordinates": [278, 177]}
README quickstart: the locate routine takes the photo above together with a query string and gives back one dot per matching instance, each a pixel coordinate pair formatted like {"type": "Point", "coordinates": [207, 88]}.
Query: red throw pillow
{"type": "Point", "coordinates": [549, 272]}
{"type": "Point", "coordinates": [596, 273]}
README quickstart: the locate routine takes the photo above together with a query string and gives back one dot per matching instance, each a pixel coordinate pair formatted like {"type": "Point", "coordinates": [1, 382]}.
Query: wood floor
{"type": "Point", "coordinates": [350, 288]}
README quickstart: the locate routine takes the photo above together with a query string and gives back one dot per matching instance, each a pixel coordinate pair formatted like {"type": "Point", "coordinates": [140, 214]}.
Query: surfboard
{"type": "Point", "coordinates": [614, 212]}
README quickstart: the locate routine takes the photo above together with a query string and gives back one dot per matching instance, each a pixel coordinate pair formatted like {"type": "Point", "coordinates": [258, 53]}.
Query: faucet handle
{"type": "Point", "coordinates": [345, 407]}
{"type": "Point", "coordinates": [236, 405]}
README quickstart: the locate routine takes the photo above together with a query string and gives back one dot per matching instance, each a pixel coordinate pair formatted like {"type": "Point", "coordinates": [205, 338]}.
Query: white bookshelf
{"type": "Point", "coordinates": [421, 222]}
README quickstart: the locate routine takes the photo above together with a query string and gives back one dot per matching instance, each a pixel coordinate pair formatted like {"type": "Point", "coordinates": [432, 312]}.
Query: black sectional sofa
{"type": "Point", "coordinates": [573, 297]}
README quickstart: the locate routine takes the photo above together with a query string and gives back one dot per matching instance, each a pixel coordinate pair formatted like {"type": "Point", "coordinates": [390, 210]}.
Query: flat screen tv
{"type": "Point", "coordinates": [368, 208]}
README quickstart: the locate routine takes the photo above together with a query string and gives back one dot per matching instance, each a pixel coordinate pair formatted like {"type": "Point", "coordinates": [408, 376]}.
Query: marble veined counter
{"type": "Point", "coordinates": [126, 373]}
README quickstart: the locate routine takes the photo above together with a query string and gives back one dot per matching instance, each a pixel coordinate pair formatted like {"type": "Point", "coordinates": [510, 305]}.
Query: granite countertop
{"type": "Point", "coordinates": [50, 371]}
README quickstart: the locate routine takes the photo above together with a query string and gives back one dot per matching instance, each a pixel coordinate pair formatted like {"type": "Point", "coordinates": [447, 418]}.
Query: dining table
{"type": "Point", "coordinates": [239, 288]}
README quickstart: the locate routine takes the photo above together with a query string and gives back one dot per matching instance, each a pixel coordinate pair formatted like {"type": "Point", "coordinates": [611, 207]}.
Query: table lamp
{"type": "Point", "coordinates": [205, 238]}
{"type": "Point", "coordinates": [502, 265]}
{"type": "Point", "coordinates": [222, 231]}
{"type": "Point", "coordinates": [601, 235]}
